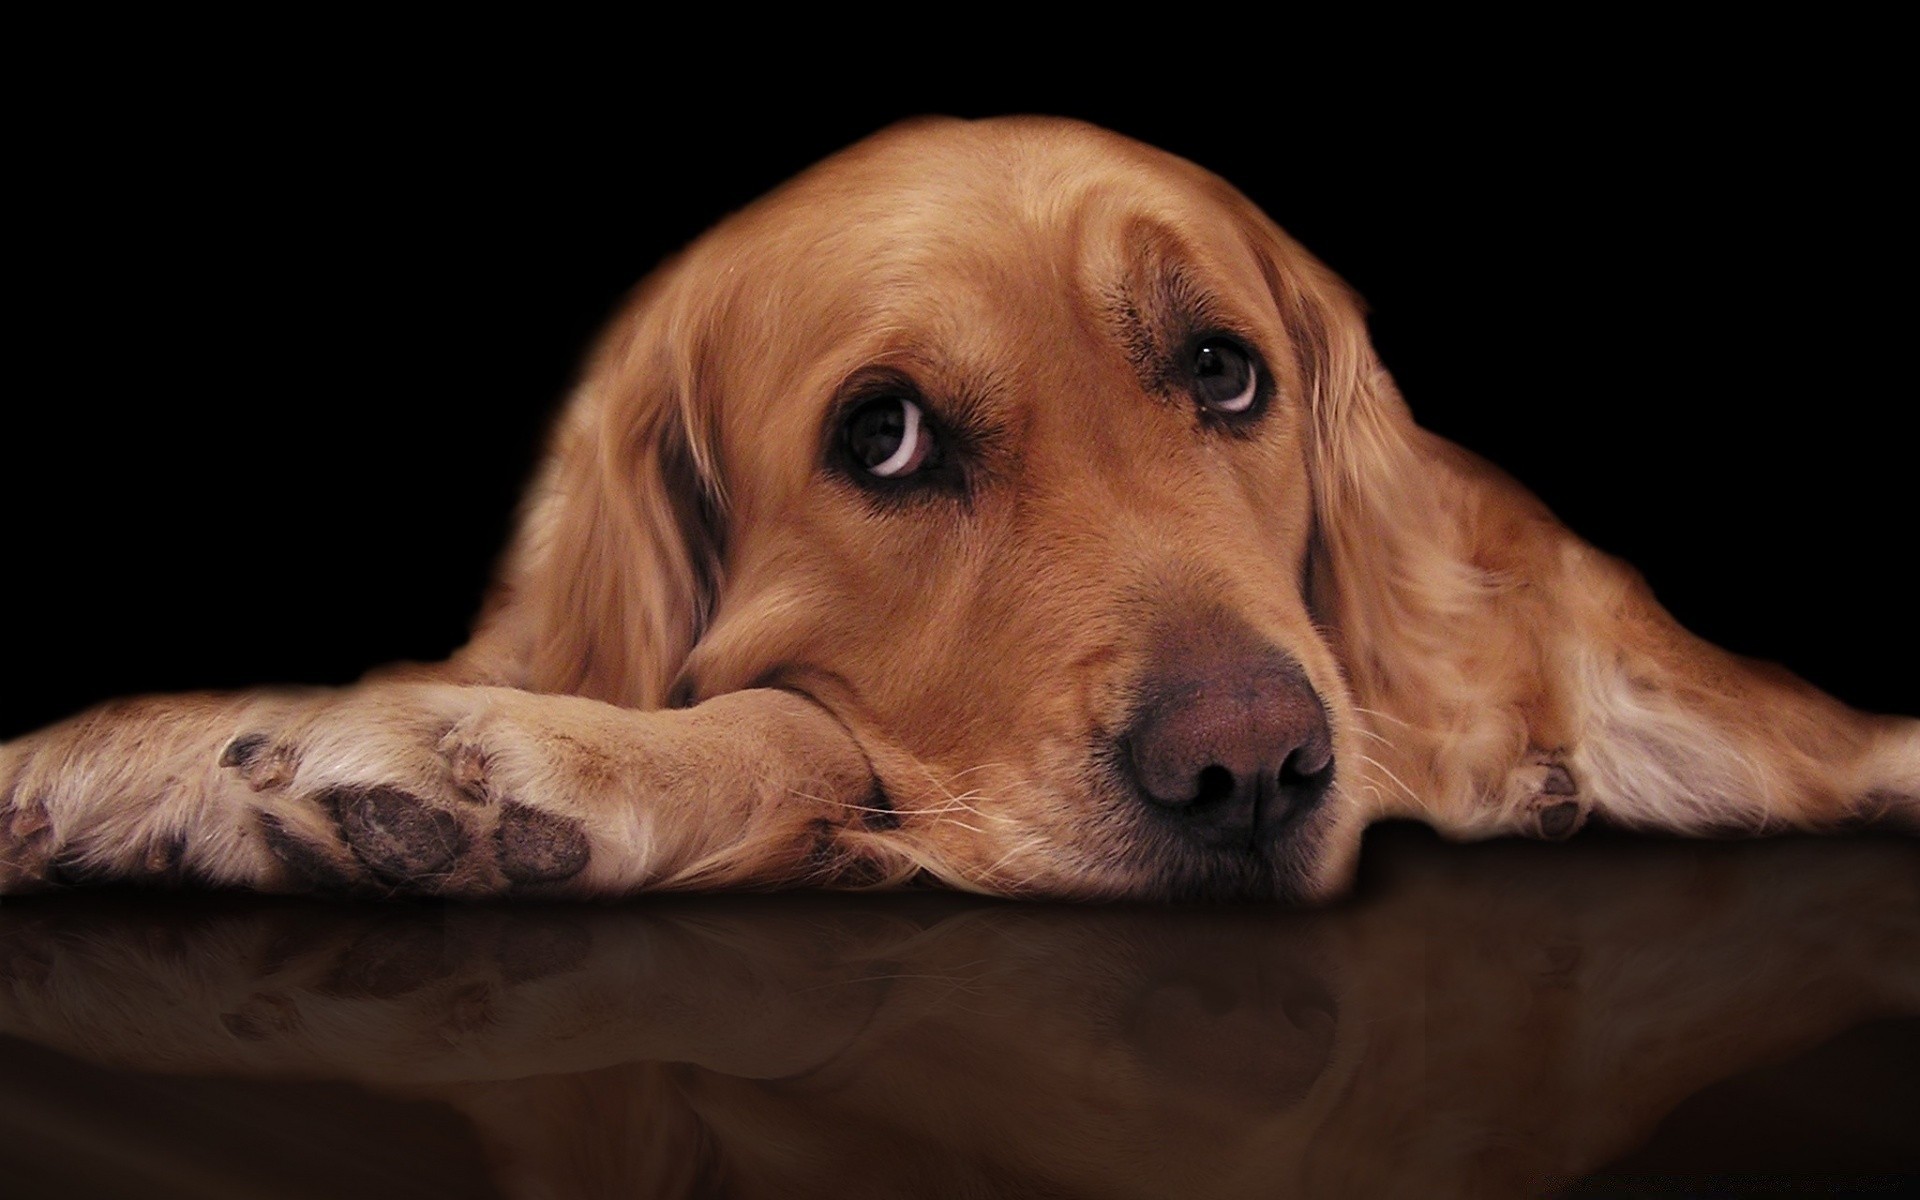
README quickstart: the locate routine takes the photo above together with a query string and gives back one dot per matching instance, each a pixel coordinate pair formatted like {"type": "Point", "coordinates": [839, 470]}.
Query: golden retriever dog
{"type": "Point", "coordinates": [1004, 504]}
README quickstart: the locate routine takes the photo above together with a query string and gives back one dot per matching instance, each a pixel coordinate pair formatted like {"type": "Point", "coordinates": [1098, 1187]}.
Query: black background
{"type": "Point", "coordinates": [288, 333]}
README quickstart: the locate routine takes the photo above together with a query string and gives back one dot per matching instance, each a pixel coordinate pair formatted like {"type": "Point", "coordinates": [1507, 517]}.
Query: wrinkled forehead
{"type": "Point", "coordinates": [914, 224]}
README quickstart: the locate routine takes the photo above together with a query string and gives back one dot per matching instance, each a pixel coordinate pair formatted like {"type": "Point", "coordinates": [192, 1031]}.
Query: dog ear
{"type": "Point", "coordinates": [1443, 583]}
{"type": "Point", "coordinates": [616, 565]}
{"type": "Point", "coordinates": [1362, 437]}
{"type": "Point", "coordinates": [1385, 529]}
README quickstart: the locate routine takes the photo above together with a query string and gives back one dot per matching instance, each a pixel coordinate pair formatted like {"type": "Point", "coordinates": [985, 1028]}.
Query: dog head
{"type": "Point", "coordinates": [1015, 445]}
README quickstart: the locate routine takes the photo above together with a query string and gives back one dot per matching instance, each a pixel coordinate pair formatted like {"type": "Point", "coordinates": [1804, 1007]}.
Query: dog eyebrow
{"type": "Point", "coordinates": [1162, 305]}
{"type": "Point", "coordinates": [965, 398]}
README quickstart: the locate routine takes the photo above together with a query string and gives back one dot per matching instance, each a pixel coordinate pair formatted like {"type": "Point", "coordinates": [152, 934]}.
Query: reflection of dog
{"type": "Point", "coordinates": [1005, 501]}
{"type": "Point", "coordinates": [753, 1047]}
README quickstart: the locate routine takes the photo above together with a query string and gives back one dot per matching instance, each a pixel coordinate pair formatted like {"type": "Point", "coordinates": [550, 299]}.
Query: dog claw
{"type": "Point", "coordinates": [261, 761]}
{"type": "Point", "coordinates": [467, 764]}
{"type": "Point", "coordinates": [373, 815]}
{"type": "Point", "coordinates": [306, 862]}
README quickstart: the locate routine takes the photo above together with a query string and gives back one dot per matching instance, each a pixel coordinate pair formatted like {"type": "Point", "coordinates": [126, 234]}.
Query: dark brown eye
{"type": "Point", "coordinates": [1224, 375]}
{"type": "Point", "coordinates": [888, 437]}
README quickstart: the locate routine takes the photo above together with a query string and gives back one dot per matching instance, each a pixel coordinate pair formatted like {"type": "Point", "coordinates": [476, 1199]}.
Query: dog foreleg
{"type": "Point", "coordinates": [436, 789]}
{"type": "Point", "coordinates": [1515, 680]}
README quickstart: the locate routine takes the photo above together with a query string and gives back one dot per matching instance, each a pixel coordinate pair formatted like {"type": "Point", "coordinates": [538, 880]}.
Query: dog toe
{"type": "Point", "coordinates": [467, 765]}
{"type": "Point", "coordinates": [1551, 805]}
{"type": "Point", "coordinates": [26, 842]}
{"type": "Point", "coordinates": [260, 760]}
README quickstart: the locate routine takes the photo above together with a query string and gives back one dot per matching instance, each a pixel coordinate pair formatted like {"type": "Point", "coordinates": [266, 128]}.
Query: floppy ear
{"type": "Point", "coordinates": [616, 565]}
{"type": "Point", "coordinates": [1359, 426]}
{"type": "Point", "coordinates": [1388, 564]}
{"type": "Point", "coordinates": [1528, 678]}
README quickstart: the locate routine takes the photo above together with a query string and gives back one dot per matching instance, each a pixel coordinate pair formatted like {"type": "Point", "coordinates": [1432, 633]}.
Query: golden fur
{"type": "Point", "coordinates": [714, 658]}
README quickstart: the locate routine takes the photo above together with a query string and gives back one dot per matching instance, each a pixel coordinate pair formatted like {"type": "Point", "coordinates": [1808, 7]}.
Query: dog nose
{"type": "Point", "coordinates": [1233, 742]}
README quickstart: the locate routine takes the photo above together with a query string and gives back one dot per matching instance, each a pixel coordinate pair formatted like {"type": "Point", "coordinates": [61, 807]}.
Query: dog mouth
{"type": "Point", "coordinates": [1247, 837]}
{"type": "Point", "coordinates": [1226, 835]}
{"type": "Point", "coordinates": [1283, 870]}
{"type": "Point", "coordinates": [1256, 826]}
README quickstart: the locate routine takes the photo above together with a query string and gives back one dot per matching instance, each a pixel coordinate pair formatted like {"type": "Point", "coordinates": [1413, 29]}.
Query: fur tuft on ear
{"type": "Point", "coordinates": [1360, 426]}
{"type": "Point", "coordinates": [616, 564]}
{"type": "Point", "coordinates": [1391, 567]}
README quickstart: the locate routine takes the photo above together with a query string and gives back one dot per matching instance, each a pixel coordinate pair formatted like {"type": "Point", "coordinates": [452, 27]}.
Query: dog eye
{"type": "Point", "coordinates": [888, 436]}
{"type": "Point", "coordinates": [1224, 374]}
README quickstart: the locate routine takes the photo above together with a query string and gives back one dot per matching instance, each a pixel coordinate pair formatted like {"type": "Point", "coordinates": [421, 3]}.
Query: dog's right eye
{"type": "Point", "coordinates": [888, 436]}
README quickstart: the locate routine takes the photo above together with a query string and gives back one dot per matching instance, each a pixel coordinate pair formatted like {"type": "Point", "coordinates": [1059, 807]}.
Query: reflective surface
{"type": "Point", "coordinates": [1498, 1020]}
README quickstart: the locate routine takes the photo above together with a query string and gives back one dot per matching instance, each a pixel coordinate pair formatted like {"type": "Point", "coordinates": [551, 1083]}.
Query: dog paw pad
{"type": "Point", "coordinates": [1548, 800]}
{"type": "Point", "coordinates": [532, 846]}
{"type": "Point", "coordinates": [1558, 821]}
{"type": "Point", "coordinates": [399, 837]}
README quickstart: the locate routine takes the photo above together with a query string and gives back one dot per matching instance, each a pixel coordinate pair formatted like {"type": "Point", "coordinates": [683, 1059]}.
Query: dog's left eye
{"type": "Point", "coordinates": [1224, 375]}
{"type": "Point", "coordinates": [888, 436]}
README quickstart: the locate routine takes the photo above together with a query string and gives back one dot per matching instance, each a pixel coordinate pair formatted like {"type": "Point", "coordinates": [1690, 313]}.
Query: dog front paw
{"type": "Point", "coordinates": [420, 807]}
{"type": "Point", "coordinates": [26, 828]}
{"type": "Point", "coordinates": [1548, 801]}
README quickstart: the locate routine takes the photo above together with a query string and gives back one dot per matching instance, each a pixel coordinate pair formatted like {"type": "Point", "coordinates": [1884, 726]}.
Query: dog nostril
{"type": "Point", "coordinates": [1309, 765]}
{"type": "Point", "coordinates": [1215, 784]}
{"type": "Point", "coordinates": [1304, 780]}
{"type": "Point", "coordinates": [1234, 745]}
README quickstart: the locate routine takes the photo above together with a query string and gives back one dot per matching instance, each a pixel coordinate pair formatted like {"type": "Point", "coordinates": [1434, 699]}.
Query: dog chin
{"type": "Point", "coordinates": [1163, 865]}
{"type": "Point", "coordinates": [1159, 857]}
{"type": "Point", "coordinates": [1285, 873]}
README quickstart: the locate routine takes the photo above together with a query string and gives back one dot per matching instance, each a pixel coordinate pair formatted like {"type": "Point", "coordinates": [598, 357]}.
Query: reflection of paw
{"type": "Point", "coordinates": [1551, 805]}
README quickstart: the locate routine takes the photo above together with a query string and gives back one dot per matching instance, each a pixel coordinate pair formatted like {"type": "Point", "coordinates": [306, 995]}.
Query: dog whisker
{"type": "Point", "coordinates": [1374, 712]}
{"type": "Point", "coordinates": [1385, 770]}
